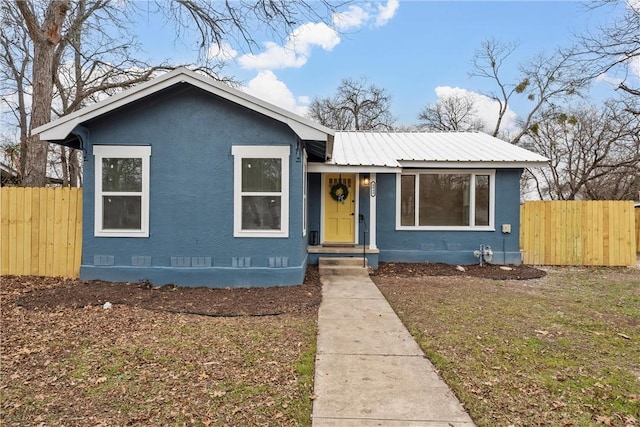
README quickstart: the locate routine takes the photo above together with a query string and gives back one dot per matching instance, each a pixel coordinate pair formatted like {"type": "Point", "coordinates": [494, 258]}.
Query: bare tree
{"type": "Point", "coordinates": [355, 106]}
{"type": "Point", "coordinates": [594, 152]}
{"type": "Point", "coordinates": [16, 61]}
{"type": "Point", "coordinates": [327, 112]}
{"type": "Point", "coordinates": [615, 47]}
{"type": "Point", "coordinates": [487, 63]}
{"type": "Point", "coordinates": [451, 113]}
{"type": "Point", "coordinates": [44, 28]}
{"type": "Point", "coordinates": [543, 80]}
{"type": "Point", "coordinates": [79, 32]}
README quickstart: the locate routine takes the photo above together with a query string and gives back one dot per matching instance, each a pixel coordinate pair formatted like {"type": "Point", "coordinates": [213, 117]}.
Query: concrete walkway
{"type": "Point", "coordinates": [369, 370]}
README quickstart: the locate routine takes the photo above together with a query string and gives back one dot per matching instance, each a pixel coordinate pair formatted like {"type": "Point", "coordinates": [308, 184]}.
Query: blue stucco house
{"type": "Point", "coordinates": [191, 182]}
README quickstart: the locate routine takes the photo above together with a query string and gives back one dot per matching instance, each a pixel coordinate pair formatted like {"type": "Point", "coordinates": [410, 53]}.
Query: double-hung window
{"type": "Point", "coordinates": [121, 190]}
{"type": "Point", "coordinates": [445, 200]}
{"type": "Point", "coordinates": [261, 191]}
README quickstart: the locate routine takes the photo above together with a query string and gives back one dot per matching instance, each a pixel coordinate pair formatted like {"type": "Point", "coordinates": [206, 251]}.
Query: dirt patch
{"type": "Point", "coordinates": [224, 302]}
{"type": "Point", "coordinates": [486, 271]}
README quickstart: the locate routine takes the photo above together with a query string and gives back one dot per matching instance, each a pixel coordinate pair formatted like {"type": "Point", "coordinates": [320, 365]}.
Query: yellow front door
{"type": "Point", "coordinates": [339, 215]}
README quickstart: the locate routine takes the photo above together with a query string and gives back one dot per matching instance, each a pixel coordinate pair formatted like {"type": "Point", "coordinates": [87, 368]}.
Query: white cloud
{"type": "Point", "coordinates": [386, 12]}
{"type": "Point", "coordinates": [607, 78]}
{"type": "Point", "coordinates": [298, 46]}
{"type": "Point", "coordinates": [223, 51]}
{"type": "Point", "coordinates": [354, 18]}
{"type": "Point", "coordinates": [486, 108]}
{"type": "Point", "coordinates": [296, 50]}
{"type": "Point", "coordinates": [266, 86]}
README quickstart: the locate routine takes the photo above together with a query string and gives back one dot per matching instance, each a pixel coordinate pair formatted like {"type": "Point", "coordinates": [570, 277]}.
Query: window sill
{"type": "Point", "coordinates": [122, 233]}
{"type": "Point", "coordinates": [445, 228]}
{"type": "Point", "coordinates": [261, 234]}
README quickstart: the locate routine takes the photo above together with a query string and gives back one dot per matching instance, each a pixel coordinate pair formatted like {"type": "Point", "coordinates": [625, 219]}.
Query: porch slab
{"type": "Point", "coordinates": [345, 249]}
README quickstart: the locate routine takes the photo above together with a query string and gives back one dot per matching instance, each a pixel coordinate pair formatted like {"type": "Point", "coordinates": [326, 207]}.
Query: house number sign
{"type": "Point", "coordinates": [372, 188]}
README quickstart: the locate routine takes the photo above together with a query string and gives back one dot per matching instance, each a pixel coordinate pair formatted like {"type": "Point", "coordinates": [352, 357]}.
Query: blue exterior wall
{"type": "Point", "coordinates": [452, 247]}
{"type": "Point", "coordinates": [314, 200]}
{"type": "Point", "coordinates": [191, 133]}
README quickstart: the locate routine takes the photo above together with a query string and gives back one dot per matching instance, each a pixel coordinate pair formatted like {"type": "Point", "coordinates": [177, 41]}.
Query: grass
{"type": "Point", "coordinates": [563, 350]}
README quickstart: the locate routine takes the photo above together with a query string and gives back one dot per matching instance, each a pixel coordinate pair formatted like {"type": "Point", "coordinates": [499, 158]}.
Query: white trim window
{"type": "Point", "coordinates": [121, 190]}
{"type": "Point", "coordinates": [445, 200]}
{"type": "Point", "coordinates": [261, 191]}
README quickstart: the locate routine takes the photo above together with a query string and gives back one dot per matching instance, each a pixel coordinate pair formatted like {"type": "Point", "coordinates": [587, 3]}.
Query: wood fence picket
{"type": "Point", "coordinates": [579, 233]}
{"type": "Point", "coordinates": [40, 231]}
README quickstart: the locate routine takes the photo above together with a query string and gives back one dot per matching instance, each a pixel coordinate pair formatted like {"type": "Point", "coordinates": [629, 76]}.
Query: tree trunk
{"type": "Point", "coordinates": [75, 173]}
{"type": "Point", "coordinates": [64, 166]}
{"type": "Point", "coordinates": [45, 37]}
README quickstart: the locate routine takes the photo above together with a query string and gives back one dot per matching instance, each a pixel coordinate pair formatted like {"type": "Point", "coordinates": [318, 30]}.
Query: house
{"type": "Point", "coordinates": [189, 181]}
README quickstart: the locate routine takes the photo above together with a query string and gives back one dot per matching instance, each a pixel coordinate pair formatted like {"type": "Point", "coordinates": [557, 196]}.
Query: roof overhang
{"type": "Point", "coordinates": [330, 168]}
{"type": "Point", "coordinates": [472, 165]}
{"type": "Point", "coordinates": [333, 168]}
{"type": "Point", "coordinates": [60, 129]}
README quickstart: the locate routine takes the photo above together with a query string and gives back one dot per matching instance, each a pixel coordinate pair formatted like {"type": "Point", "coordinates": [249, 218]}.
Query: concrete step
{"type": "Point", "coordinates": [342, 261]}
{"type": "Point", "coordinates": [342, 266]}
{"type": "Point", "coordinates": [343, 271]}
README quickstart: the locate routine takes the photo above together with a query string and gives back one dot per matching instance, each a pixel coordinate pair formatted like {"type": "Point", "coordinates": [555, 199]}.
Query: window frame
{"type": "Point", "coordinates": [101, 152]}
{"type": "Point", "coordinates": [472, 200]}
{"type": "Point", "coordinates": [241, 152]}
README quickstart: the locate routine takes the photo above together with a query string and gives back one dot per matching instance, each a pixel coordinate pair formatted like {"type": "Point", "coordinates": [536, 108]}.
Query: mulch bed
{"type": "Point", "coordinates": [486, 271]}
{"type": "Point", "coordinates": [227, 302]}
{"type": "Point", "coordinates": [217, 302]}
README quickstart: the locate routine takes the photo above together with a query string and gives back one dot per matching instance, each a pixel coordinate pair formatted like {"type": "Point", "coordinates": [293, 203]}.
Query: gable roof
{"type": "Point", "coordinates": [59, 129]}
{"type": "Point", "coordinates": [359, 150]}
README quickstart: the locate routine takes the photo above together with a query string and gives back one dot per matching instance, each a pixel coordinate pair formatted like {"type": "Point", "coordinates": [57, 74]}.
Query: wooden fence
{"type": "Point", "coordinates": [41, 231]}
{"type": "Point", "coordinates": [637, 229]}
{"type": "Point", "coordinates": [579, 233]}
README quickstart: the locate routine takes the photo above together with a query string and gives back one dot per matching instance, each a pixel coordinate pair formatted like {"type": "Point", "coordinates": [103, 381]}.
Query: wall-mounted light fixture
{"type": "Point", "coordinates": [365, 181]}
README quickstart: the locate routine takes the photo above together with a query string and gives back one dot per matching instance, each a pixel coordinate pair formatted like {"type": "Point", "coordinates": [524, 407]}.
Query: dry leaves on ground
{"type": "Point", "coordinates": [67, 361]}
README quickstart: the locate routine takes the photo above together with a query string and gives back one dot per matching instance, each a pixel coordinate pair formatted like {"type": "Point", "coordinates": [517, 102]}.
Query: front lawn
{"type": "Point", "coordinates": [563, 350]}
{"type": "Point", "coordinates": [149, 360]}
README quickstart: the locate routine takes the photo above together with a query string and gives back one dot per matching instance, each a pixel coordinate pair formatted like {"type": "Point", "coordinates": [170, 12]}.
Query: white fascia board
{"type": "Point", "coordinates": [473, 165]}
{"type": "Point", "coordinates": [59, 132]}
{"type": "Point", "coordinates": [308, 133]}
{"type": "Point", "coordinates": [329, 168]}
{"type": "Point", "coordinates": [62, 127]}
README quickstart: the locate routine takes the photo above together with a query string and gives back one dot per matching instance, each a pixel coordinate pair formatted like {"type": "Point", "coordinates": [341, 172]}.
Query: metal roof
{"type": "Point", "coordinates": [428, 149]}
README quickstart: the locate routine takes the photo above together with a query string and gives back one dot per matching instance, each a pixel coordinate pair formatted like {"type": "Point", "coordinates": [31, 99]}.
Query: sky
{"type": "Point", "coordinates": [415, 50]}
